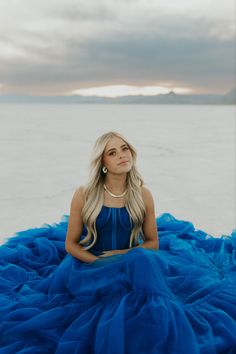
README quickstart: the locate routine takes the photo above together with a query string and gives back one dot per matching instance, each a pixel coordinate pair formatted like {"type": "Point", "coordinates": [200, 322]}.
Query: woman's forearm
{"type": "Point", "coordinates": [78, 252]}
{"type": "Point", "coordinates": [145, 244]}
{"type": "Point", "coordinates": [149, 244]}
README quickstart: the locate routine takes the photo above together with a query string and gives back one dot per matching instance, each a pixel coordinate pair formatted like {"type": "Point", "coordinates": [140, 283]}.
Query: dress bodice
{"type": "Point", "coordinates": [114, 227]}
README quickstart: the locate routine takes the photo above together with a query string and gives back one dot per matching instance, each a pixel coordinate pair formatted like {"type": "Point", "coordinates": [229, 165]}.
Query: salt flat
{"type": "Point", "coordinates": [186, 155]}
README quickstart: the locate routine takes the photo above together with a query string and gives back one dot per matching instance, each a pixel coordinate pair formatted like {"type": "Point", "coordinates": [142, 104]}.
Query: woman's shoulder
{"type": "Point", "coordinates": [79, 195]}
{"type": "Point", "coordinates": [80, 189]}
{"type": "Point", "coordinates": [146, 192]}
{"type": "Point", "coordinates": [147, 196]}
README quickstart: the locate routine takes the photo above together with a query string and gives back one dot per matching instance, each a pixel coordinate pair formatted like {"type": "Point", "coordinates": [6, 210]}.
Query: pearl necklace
{"type": "Point", "coordinates": [113, 195]}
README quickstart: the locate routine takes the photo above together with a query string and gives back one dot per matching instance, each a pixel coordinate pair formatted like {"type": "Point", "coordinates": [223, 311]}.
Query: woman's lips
{"type": "Point", "coordinates": [123, 162]}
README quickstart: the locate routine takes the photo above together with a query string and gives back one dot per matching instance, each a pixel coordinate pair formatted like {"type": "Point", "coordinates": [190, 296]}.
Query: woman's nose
{"type": "Point", "coordinates": [122, 154]}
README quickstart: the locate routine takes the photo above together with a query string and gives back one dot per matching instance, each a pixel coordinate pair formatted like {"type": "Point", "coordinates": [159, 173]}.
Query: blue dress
{"type": "Point", "coordinates": [179, 299]}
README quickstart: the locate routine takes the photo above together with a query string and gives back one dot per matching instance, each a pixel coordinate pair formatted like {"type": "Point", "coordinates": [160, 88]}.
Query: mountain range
{"type": "Point", "coordinates": [171, 98]}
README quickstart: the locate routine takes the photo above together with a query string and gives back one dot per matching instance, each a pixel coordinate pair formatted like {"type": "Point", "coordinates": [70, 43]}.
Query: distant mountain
{"type": "Point", "coordinates": [230, 96]}
{"type": "Point", "coordinates": [171, 98]}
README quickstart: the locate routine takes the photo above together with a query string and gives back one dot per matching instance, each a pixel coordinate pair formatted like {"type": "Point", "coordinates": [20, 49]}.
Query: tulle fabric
{"type": "Point", "coordinates": [179, 299]}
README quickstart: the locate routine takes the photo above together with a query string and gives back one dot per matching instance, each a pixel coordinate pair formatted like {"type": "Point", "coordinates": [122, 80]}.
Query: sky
{"type": "Point", "coordinates": [113, 48]}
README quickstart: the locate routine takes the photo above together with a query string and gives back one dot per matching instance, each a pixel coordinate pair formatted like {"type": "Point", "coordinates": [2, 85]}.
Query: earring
{"type": "Point", "coordinates": [104, 169]}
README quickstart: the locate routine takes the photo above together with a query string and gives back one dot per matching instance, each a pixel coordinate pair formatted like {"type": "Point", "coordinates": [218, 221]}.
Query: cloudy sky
{"type": "Point", "coordinates": [117, 47]}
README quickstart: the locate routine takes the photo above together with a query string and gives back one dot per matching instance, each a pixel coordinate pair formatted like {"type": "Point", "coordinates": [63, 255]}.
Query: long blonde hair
{"type": "Point", "coordinates": [93, 192]}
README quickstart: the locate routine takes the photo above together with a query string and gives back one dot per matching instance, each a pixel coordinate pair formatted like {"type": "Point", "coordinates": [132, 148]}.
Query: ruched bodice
{"type": "Point", "coordinates": [114, 227]}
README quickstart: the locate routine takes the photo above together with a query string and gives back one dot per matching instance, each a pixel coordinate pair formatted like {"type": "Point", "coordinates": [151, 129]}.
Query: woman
{"type": "Point", "coordinates": [105, 281]}
{"type": "Point", "coordinates": [116, 185]}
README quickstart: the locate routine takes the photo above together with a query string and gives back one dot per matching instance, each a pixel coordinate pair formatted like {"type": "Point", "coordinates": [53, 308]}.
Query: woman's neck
{"type": "Point", "coordinates": [116, 184]}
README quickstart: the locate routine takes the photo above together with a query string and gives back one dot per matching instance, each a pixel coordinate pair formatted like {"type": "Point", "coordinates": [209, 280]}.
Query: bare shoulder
{"type": "Point", "coordinates": [146, 193]}
{"type": "Point", "coordinates": [78, 198]}
{"type": "Point", "coordinates": [147, 198]}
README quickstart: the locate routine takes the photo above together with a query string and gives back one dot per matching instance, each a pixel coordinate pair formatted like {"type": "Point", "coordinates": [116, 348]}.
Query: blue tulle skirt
{"type": "Point", "coordinates": [180, 299]}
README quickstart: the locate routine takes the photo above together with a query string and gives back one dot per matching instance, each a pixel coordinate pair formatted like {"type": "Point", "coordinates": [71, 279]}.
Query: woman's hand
{"type": "Point", "coordinates": [110, 253]}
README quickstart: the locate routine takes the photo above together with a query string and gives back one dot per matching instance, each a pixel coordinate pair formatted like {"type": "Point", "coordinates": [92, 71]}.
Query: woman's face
{"type": "Point", "coordinates": [116, 152]}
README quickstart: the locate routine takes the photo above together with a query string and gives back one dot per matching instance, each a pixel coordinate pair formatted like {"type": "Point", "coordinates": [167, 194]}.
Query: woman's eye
{"type": "Point", "coordinates": [113, 152]}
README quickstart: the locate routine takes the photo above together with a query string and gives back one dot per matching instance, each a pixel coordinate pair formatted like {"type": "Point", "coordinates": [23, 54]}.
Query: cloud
{"type": "Point", "coordinates": [61, 45]}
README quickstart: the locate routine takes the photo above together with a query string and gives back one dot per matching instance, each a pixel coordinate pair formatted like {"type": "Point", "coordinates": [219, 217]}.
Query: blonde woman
{"type": "Point", "coordinates": [116, 186]}
{"type": "Point", "coordinates": [107, 280]}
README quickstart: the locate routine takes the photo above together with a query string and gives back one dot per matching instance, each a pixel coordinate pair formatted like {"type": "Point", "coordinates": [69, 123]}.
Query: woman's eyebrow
{"type": "Point", "coordinates": [115, 148]}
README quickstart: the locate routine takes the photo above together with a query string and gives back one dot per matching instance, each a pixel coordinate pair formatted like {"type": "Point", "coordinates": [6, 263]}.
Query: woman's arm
{"type": "Point", "coordinates": [149, 223]}
{"type": "Point", "coordinates": [75, 228]}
